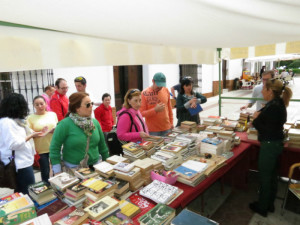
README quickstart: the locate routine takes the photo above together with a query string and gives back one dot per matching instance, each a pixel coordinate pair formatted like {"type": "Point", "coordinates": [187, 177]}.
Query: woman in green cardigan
{"type": "Point", "coordinates": [78, 137]}
{"type": "Point", "coordinates": [186, 99]}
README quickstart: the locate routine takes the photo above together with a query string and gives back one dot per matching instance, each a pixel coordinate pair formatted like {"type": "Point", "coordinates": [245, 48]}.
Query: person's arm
{"type": "Point", "coordinates": [97, 113]}
{"type": "Point", "coordinates": [102, 147]}
{"type": "Point", "coordinates": [58, 138]}
{"type": "Point", "coordinates": [144, 108]}
{"type": "Point", "coordinates": [173, 92]}
{"type": "Point", "coordinates": [200, 98]}
{"type": "Point", "coordinates": [170, 110]}
{"type": "Point", "coordinates": [123, 129]}
{"type": "Point", "coordinates": [57, 108]}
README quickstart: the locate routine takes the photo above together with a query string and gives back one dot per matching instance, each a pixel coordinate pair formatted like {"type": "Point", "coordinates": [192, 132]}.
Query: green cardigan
{"type": "Point", "coordinates": [74, 142]}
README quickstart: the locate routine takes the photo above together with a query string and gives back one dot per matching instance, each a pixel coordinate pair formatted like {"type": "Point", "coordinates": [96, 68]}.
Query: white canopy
{"type": "Point", "coordinates": [101, 32]}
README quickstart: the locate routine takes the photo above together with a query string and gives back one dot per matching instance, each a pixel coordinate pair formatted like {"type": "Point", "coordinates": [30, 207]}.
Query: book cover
{"type": "Point", "coordinates": [101, 207]}
{"type": "Point", "coordinates": [115, 159]}
{"type": "Point", "coordinates": [41, 206]}
{"type": "Point", "coordinates": [10, 198]}
{"type": "Point", "coordinates": [122, 166]}
{"type": "Point", "coordinates": [171, 148]}
{"type": "Point", "coordinates": [188, 217]}
{"type": "Point", "coordinates": [19, 216]}
{"type": "Point", "coordinates": [94, 183]}
{"type": "Point", "coordinates": [15, 205]}
{"type": "Point", "coordinates": [158, 215]}
{"type": "Point", "coordinates": [104, 167]}
{"type": "Point", "coordinates": [85, 173]}
{"type": "Point", "coordinates": [74, 218]}
{"type": "Point", "coordinates": [40, 188]}
{"type": "Point", "coordinates": [63, 180]}
{"type": "Point", "coordinates": [185, 172]}
{"type": "Point", "coordinates": [76, 189]}
{"type": "Point", "coordinates": [40, 220]}
{"type": "Point", "coordinates": [213, 141]}
{"type": "Point", "coordinates": [131, 146]}
{"type": "Point", "coordinates": [129, 209]}
{"type": "Point", "coordinates": [194, 111]}
{"type": "Point", "coordinates": [117, 218]}
{"type": "Point", "coordinates": [58, 215]}
{"type": "Point", "coordinates": [56, 206]}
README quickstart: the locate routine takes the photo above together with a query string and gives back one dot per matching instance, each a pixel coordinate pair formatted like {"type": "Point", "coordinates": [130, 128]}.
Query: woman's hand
{"type": "Point", "coordinates": [33, 135]}
{"type": "Point", "coordinates": [144, 135]}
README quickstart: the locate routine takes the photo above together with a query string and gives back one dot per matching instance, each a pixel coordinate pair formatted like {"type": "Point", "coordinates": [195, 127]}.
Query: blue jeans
{"type": "Point", "coordinates": [44, 165]}
{"type": "Point", "coordinates": [25, 177]}
{"type": "Point", "coordinates": [160, 133]}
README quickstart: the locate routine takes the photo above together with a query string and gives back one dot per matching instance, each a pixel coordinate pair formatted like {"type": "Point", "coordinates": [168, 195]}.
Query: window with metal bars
{"type": "Point", "coordinates": [28, 83]}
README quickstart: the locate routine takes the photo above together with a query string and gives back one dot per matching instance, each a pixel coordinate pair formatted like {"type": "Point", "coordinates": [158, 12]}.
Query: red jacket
{"type": "Point", "coordinates": [59, 104]}
{"type": "Point", "coordinates": [105, 118]}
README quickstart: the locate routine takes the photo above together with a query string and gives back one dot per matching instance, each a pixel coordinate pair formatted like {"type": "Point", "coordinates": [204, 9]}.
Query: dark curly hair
{"type": "Point", "coordinates": [185, 81]}
{"type": "Point", "coordinates": [14, 106]}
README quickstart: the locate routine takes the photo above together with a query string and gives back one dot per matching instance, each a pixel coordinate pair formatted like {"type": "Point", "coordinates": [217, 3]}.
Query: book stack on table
{"type": "Point", "coordinates": [146, 168]}
{"type": "Point", "coordinates": [42, 193]}
{"type": "Point", "coordinates": [104, 169]}
{"type": "Point", "coordinates": [190, 125]}
{"type": "Point", "coordinates": [115, 159]}
{"type": "Point", "coordinates": [134, 178]}
{"type": "Point", "coordinates": [75, 194]}
{"type": "Point", "coordinates": [212, 145]}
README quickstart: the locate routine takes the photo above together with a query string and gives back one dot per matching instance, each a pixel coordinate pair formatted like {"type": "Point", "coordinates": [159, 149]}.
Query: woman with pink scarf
{"type": "Point", "coordinates": [131, 126]}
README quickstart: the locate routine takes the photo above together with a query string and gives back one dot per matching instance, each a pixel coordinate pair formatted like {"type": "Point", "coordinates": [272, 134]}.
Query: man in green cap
{"type": "Point", "coordinates": [156, 106]}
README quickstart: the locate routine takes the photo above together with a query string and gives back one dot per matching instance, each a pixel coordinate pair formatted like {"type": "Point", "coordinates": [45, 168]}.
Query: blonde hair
{"type": "Point", "coordinates": [278, 88]}
{"type": "Point", "coordinates": [129, 95]}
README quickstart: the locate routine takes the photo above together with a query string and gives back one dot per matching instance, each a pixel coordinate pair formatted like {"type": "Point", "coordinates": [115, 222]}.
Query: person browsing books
{"type": "Point", "coordinates": [17, 136]}
{"type": "Point", "coordinates": [156, 106]}
{"type": "Point", "coordinates": [42, 121]}
{"type": "Point", "coordinates": [269, 123]}
{"type": "Point", "coordinates": [131, 126]}
{"type": "Point", "coordinates": [79, 136]}
{"type": "Point", "coordinates": [188, 99]}
{"type": "Point", "coordinates": [59, 101]}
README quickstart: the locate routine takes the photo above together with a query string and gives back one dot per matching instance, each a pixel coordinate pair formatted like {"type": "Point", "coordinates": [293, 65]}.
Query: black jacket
{"type": "Point", "coordinates": [270, 121]}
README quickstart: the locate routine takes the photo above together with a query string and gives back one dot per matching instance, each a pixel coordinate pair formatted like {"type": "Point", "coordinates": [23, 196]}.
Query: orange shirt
{"type": "Point", "coordinates": [157, 121]}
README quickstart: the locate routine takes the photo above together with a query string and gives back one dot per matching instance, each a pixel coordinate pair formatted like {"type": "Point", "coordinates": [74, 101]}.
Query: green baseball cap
{"type": "Point", "coordinates": [160, 79]}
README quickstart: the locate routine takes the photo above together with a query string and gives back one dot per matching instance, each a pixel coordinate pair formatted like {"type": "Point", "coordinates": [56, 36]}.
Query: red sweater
{"type": "Point", "coordinates": [105, 118]}
{"type": "Point", "coordinates": [59, 104]}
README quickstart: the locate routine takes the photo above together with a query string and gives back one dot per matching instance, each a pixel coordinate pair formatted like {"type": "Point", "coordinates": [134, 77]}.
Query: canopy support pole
{"type": "Point", "coordinates": [220, 60]}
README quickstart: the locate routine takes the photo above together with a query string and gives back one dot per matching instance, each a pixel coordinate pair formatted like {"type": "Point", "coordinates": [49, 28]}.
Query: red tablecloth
{"type": "Point", "coordinates": [190, 193]}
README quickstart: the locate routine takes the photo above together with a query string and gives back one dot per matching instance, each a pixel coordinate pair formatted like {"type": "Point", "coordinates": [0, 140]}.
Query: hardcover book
{"type": "Point", "coordinates": [56, 206]}
{"type": "Point", "coordinates": [158, 215]}
{"type": "Point", "coordinates": [58, 215]}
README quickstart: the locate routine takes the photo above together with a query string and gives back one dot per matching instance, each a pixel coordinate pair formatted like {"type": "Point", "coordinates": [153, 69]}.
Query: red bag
{"type": "Point", "coordinates": [36, 163]}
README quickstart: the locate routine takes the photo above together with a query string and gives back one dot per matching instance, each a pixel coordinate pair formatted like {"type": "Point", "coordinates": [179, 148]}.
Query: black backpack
{"type": "Point", "coordinates": [114, 144]}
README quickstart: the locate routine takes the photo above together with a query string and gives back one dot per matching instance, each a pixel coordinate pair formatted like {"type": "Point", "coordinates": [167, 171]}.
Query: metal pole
{"type": "Point", "coordinates": [219, 58]}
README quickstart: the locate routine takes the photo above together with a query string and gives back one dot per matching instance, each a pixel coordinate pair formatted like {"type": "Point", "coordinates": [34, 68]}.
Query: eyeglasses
{"type": "Point", "coordinates": [64, 88]}
{"type": "Point", "coordinates": [88, 105]}
{"type": "Point", "coordinates": [134, 90]}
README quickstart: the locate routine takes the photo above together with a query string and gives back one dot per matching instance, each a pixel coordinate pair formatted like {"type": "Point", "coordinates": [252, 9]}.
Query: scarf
{"type": "Point", "coordinates": [85, 123]}
{"type": "Point", "coordinates": [22, 123]}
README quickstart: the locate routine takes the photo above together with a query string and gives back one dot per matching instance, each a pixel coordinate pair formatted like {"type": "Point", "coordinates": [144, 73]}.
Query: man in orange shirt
{"type": "Point", "coordinates": [156, 106]}
{"type": "Point", "coordinates": [59, 101]}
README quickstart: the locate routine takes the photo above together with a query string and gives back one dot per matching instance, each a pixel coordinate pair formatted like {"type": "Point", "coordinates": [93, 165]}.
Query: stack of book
{"type": "Point", "coordinates": [157, 165]}
{"type": "Point", "coordinates": [159, 192]}
{"type": "Point", "coordinates": [176, 150]}
{"type": "Point", "coordinates": [252, 133]}
{"type": "Point", "coordinates": [212, 146]}
{"type": "Point", "coordinates": [105, 169]}
{"type": "Point", "coordinates": [124, 167]}
{"type": "Point", "coordinates": [41, 192]}
{"type": "Point", "coordinates": [62, 181]}
{"type": "Point", "coordinates": [108, 190]}
{"type": "Point", "coordinates": [244, 118]}
{"type": "Point", "coordinates": [215, 129]}
{"type": "Point", "coordinates": [156, 140]}
{"type": "Point", "coordinates": [297, 124]}
{"type": "Point", "coordinates": [148, 146]}
{"type": "Point", "coordinates": [188, 137]}
{"type": "Point", "coordinates": [210, 121]}
{"type": "Point", "coordinates": [191, 172]}
{"type": "Point", "coordinates": [190, 125]}
{"type": "Point", "coordinates": [294, 138]}
{"type": "Point", "coordinates": [85, 173]}
{"type": "Point", "coordinates": [201, 127]}
{"type": "Point", "coordinates": [180, 130]}
{"type": "Point", "coordinates": [159, 215]}
{"type": "Point", "coordinates": [74, 217]}
{"type": "Point", "coordinates": [74, 195]}
{"type": "Point", "coordinates": [17, 210]}
{"type": "Point", "coordinates": [229, 125]}
{"type": "Point", "coordinates": [134, 177]}
{"type": "Point", "coordinates": [115, 159]}
{"type": "Point", "coordinates": [122, 188]}
{"type": "Point", "coordinates": [102, 208]}
{"type": "Point", "coordinates": [167, 159]}
{"type": "Point", "coordinates": [146, 168]}
{"type": "Point", "coordinates": [133, 151]}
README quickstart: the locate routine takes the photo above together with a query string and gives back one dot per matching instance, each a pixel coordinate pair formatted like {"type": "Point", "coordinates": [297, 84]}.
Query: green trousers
{"type": "Point", "coordinates": [268, 165]}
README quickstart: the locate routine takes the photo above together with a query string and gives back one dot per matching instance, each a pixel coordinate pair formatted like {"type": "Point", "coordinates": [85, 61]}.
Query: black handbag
{"type": "Point", "coordinates": [8, 174]}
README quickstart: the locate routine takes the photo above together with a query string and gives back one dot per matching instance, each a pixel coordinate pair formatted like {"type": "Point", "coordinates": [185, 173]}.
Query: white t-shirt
{"type": "Point", "coordinates": [257, 94]}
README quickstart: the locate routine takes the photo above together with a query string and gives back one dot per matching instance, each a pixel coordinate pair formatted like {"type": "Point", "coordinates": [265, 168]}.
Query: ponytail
{"type": "Point", "coordinates": [286, 95]}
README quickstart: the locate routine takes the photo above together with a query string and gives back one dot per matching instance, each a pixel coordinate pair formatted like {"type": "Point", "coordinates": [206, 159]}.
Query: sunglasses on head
{"type": "Point", "coordinates": [134, 90]}
{"type": "Point", "coordinates": [88, 105]}
{"type": "Point", "coordinates": [187, 78]}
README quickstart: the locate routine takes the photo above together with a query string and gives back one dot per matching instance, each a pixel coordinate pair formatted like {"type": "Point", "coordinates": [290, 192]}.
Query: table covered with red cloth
{"type": "Point", "coordinates": [190, 193]}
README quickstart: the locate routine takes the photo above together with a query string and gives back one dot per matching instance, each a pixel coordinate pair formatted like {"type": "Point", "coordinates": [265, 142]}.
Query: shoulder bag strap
{"type": "Point", "coordinates": [83, 163]}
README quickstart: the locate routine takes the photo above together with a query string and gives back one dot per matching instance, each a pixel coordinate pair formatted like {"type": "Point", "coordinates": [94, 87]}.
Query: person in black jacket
{"type": "Point", "coordinates": [186, 99]}
{"type": "Point", "coordinates": [269, 123]}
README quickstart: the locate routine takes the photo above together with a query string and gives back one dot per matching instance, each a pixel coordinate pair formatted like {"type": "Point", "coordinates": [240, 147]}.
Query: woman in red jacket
{"type": "Point", "coordinates": [103, 114]}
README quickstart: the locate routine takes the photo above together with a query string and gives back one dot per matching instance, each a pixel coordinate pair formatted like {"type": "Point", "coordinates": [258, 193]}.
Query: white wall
{"type": "Point", "coordinates": [171, 72]}
{"type": "Point", "coordinates": [100, 80]}
{"type": "Point", "coordinates": [209, 74]}
{"type": "Point", "coordinates": [235, 69]}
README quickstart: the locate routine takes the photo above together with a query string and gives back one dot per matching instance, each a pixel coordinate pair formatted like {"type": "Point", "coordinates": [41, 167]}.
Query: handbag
{"type": "Point", "coordinates": [8, 174]}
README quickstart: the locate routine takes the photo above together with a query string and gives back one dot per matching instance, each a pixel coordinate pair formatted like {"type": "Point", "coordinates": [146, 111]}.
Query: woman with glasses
{"type": "Point", "coordinates": [269, 123]}
{"type": "Point", "coordinates": [187, 99]}
{"type": "Point", "coordinates": [131, 126]}
{"type": "Point", "coordinates": [79, 136]}
{"type": "Point", "coordinates": [42, 121]}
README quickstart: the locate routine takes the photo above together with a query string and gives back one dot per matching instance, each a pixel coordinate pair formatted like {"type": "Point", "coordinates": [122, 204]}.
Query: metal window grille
{"type": "Point", "coordinates": [28, 83]}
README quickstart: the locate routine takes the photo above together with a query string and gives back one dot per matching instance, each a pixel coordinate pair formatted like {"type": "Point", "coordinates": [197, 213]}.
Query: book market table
{"type": "Point", "coordinates": [236, 167]}
{"type": "Point", "coordinates": [288, 157]}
